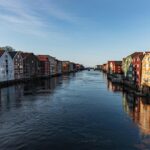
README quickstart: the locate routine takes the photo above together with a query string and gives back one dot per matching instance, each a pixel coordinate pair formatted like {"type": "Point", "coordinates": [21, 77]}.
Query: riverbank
{"type": "Point", "coordinates": [35, 78]}
{"type": "Point", "coordinates": [127, 86]}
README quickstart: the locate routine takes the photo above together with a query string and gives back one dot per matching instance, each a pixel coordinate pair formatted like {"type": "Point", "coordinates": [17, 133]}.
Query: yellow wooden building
{"type": "Point", "coordinates": [145, 82]}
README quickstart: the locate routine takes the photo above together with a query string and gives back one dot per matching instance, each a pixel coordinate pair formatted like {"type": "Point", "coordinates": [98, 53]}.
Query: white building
{"type": "Point", "coordinates": [71, 68]}
{"type": "Point", "coordinates": [53, 65]}
{"type": "Point", "coordinates": [6, 67]}
{"type": "Point", "coordinates": [59, 67]}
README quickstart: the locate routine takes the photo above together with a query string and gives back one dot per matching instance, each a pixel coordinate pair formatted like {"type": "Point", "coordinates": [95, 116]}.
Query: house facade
{"type": "Point", "coordinates": [137, 69]}
{"type": "Point", "coordinates": [6, 67]}
{"type": "Point", "coordinates": [17, 64]}
{"type": "Point", "coordinates": [78, 67]}
{"type": "Point", "coordinates": [59, 67]}
{"type": "Point", "coordinates": [105, 67]}
{"type": "Point", "coordinates": [71, 67]}
{"type": "Point", "coordinates": [30, 65]}
{"type": "Point", "coordinates": [53, 65]}
{"type": "Point", "coordinates": [145, 79]}
{"type": "Point", "coordinates": [65, 66]}
{"type": "Point", "coordinates": [127, 66]}
{"type": "Point", "coordinates": [115, 67]}
{"type": "Point", "coordinates": [44, 65]}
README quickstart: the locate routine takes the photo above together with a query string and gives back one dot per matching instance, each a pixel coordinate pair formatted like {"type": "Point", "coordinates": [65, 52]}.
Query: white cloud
{"type": "Point", "coordinates": [16, 12]}
{"type": "Point", "coordinates": [51, 9]}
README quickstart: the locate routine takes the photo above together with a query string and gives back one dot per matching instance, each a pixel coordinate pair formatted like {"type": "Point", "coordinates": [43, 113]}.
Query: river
{"type": "Point", "coordinates": [81, 111]}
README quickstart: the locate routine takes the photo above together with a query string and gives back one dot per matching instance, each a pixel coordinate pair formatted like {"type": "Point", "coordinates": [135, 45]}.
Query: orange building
{"type": "Point", "coordinates": [65, 66]}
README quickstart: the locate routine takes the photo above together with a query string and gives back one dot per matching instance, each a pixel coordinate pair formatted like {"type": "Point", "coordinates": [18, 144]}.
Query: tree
{"type": "Point", "coordinates": [7, 48]}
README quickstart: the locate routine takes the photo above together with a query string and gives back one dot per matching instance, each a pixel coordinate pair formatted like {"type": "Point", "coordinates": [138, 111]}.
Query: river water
{"type": "Point", "coordinates": [81, 111]}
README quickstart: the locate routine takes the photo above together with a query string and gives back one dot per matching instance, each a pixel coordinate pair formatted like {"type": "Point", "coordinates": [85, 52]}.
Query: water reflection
{"type": "Point", "coordinates": [73, 112]}
{"type": "Point", "coordinates": [13, 95]}
{"type": "Point", "coordinates": [113, 87]}
{"type": "Point", "coordinates": [139, 109]}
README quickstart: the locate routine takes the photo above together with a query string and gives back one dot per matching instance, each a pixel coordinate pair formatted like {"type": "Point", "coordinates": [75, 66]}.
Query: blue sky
{"type": "Point", "coordinates": [85, 31]}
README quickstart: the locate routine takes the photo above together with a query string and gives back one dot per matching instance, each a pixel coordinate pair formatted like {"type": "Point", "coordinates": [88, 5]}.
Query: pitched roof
{"type": "Point", "coordinates": [42, 57]}
{"type": "Point", "coordinates": [118, 62]}
{"type": "Point", "coordinates": [24, 55]}
{"type": "Point", "coordinates": [135, 54]}
{"type": "Point", "coordinates": [12, 54]}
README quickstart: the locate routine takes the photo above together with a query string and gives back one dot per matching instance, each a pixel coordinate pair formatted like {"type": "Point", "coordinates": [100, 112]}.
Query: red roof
{"type": "Point", "coordinates": [42, 57]}
{"type": "Point", "coordinates": [136, 54]}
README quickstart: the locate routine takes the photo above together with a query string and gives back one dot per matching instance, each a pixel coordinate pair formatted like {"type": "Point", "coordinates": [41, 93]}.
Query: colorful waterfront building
{"type": "Point", "coordinates": [79, 67]}
{"type": "Point", "coordinates": [105, 67]}
{"type": "Point", "coordinates": [30, 65]}
{"type": "Point", "coordinates": [65, 66]}
{"type": "Point", "coordinates": [17, 64]}
{"type": "Point", "coordinates": [44, 65]}
{"type": "Point", "coordinates": [114, 67]}
{"type": "Point", "coordinates": [74, 67]}
{"type": "Point", "coordinates": [71, 67]}
{"type": "Point", "coordinates": [137, 69]}
{"type": "Point", "coordinates": [59, 67]}
{"type": "Point", "coordinates": [53, 65]}
{"type": "Point", "coordinates": [127, 66]}
{"type": "Point", "coordinates": [6, 67]}
{"type": "Point", "coordinates": [145, 81]}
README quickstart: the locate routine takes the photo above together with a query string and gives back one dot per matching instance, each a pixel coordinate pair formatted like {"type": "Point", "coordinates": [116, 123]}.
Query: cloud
{"type": "Point", "coordinates": [16, 12]}
{"type": "Point", "coordinates": [51, 9]}
{"type": "Point", "coordinates": [35, 18]}
{"type": "Point", "coordinates": [30, 11]}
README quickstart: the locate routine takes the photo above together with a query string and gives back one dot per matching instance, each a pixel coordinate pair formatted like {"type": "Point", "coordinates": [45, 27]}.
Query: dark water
{"type": "Point", "coordinates": [82, 111]}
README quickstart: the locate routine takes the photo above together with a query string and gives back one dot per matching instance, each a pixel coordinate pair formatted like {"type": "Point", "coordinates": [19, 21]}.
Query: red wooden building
{"type": "Point", "coordinates": [115, 67]}
{"type": "Point", "coordinates": [137, 68]}
{"type": "Point", "coordinates": [44, 65]}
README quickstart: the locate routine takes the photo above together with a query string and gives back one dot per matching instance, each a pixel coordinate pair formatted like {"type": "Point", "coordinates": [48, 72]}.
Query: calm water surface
{"type": "Point", "coordinates": [82, 111]}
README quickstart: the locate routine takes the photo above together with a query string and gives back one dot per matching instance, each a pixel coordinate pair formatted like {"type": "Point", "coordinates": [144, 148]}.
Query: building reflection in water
{"type": "Point", "coordinates": [42, 86]}
{"type": "Point", "coordinates": [113, 87]}
{"type": "Point", "coordinates": [139, 110]}
{"type": "Point", "coordinates": [14, 95]}
{"type": "Point", "coordinates": [11, 96]}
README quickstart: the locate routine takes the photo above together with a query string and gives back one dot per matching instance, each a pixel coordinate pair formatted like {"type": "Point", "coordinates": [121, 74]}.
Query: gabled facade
{"type": "Point", "coordinates": [115, 67]}
{"type": "Point", "coordinates": [74, 67]}
{"type": "Point", "coordinates": [65, 66]}
{"type": "Point", "coordinates": [79, 67]}
{"type": "Point", "coordinates": [105, 67]}
{"type": "Point", "coordinates": [53, 65]}
{"type": "Point", "coordinates": [59, 67]}
{"type": "Point", "coordinates": [71, 67]}
{"type": "Point", "coordinates": [127, 66]}
{"type": "Point", "coordinates": [137, 69]}
{"type": "Point", "coordinates": [17, 64]}
{"type": "Point", "coordinates": [145, 79]}
{"type": "Point", "coordinates": [30, 65]}
{"type": "Point", "coordinates": [6, 67]}
{"type": "Point", "coordinates": [44, 65]}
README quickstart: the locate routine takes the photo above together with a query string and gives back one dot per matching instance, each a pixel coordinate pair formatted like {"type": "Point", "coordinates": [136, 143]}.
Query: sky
{"type": "Point", "coordinates": [90, 32]}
